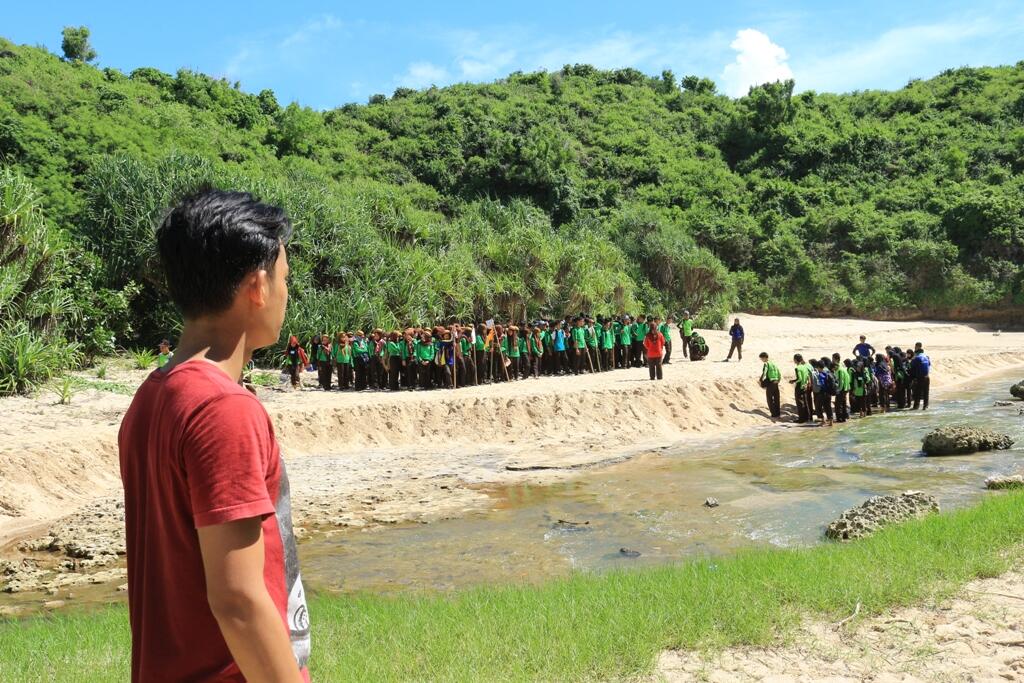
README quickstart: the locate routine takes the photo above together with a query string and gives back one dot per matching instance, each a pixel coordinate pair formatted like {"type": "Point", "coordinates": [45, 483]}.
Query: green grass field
{"type": "Point", "coordinates": [608, 626]}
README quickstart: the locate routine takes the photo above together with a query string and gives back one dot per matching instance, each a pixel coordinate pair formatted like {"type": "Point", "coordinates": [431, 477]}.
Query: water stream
{"type": "Point", "coordinates": [780, 487]}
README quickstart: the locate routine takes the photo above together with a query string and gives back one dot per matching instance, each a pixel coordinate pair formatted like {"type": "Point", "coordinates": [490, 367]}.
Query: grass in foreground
{"type": "Point", "coordinates": [585, 627]}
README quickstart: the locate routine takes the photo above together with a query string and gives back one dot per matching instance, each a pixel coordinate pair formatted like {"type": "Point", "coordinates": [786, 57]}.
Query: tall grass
{"type": "Point", "coordinates": [608, 626]}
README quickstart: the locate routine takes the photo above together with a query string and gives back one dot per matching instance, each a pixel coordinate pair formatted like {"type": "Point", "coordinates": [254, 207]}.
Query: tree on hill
{"type": "Point", "coordinates": [76, 45]}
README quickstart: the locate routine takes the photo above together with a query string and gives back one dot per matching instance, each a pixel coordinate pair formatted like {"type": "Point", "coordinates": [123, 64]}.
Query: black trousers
{"type": "Point", "coordinates": [803, 412]}
{"type": "Point", "coordinates": [686, 346]}
{"type": "Point", "coordinates": [361, 370]}
{"type": "Point", "coordinates": [638, 354]}
{"type": "Point", "coordinates": [579, 361]}
{"type": "Point", "coordinates": [424, 373]}
{"type": "Point", "coordinates": [294, 371]}
{"type": "Point", "coordinates": [771, 395]}
{"type": "Point", "coordinates": [324, 373]}
{"type": "Point", "coordinates": [394, 373]}
{"type": "Point", "coordinates": [842, 409]}
{"type": "Point", "coordinates": [921, 388]}
{"type": "Point", "coordinates": [668, 351]}
{"type": "Point", "coordinates": [818, 401]}
{"type": "Point", "coordinates": [737, 346]}
{"type": "Point", "coordinates": [606, 360]}
{"type": "Point", "coordinates": [654, 368]}
{"type": "Point", "coordinates": [344, 375]}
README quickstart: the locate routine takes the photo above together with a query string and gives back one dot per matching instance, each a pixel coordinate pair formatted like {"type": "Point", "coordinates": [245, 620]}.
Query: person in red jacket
{"type": "Point", "coordinates": [295, 360]}
{"type": "Point", "coordinates": [654, 345]}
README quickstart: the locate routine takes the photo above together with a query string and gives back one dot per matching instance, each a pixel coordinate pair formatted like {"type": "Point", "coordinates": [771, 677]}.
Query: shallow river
{"type": "Point", "coordinates": [780, 487]}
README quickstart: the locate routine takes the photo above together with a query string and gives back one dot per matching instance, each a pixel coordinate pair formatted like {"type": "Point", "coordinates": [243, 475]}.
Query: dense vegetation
{"type": "Point", "coordinates": [607, 191]}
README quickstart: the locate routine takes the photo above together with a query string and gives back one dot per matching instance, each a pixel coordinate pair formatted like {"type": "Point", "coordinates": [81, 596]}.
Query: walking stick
{"type": "Point", "coordinates": [597, 352]}
{"type": "Point", "coordinates": [455, 368]}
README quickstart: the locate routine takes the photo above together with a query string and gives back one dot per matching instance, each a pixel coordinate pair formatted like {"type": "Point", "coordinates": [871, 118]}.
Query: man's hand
{"type": "Point", "coordinates": [248, 619]}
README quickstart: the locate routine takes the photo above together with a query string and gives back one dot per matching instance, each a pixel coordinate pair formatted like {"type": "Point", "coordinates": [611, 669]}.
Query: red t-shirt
{"type": "Point", "coordinates": [196, 450]}
{"type": "Point", "coordinates": [654, 343]}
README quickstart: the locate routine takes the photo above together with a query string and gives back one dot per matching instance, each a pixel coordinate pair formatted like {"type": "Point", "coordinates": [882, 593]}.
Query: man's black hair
{"type": "Point", "coordinates": [211, 240]}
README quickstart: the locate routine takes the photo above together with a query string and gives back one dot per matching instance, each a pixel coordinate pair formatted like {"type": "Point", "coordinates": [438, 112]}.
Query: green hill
{"type": "Point", "coordinates": [543, 192]}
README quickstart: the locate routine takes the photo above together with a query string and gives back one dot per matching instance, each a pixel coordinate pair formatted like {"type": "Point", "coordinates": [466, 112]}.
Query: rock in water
{"type": "Point", "coordinates": [626, 552]}
{"type": "Point", "coordinates": [711, 503]}
{"type": "Point", "coordinates": [1012, 481]}
{"type": "Point", "coordinates": [876, 512]}
{"type": "Point", "coordinates": [961, 439]}
{"type": "Point", "coordinates": [1017, 390]}
{"type": "Point", "coordinates": [1002, 404]}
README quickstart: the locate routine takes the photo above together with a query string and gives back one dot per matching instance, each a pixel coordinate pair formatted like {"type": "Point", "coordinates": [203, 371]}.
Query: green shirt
{"type": "Point", "coordinates": [343, 354]}
{"type": "Point", "coordinates": [842, 378]}
{"type": "Point", "coordinates": [537, 345]}
{"type": "Point", "coordinates": [394, 349]}
{"type": "Point", "coordinates": [666, 332]}
{"type": "Point", "coordinates": [480, 342]}
{"type": "Point", "coordinates": [626, 334]}
{"type": "Point", "coordinates": [803, 375]}
{"type": "Point", "coordinates": [465, 345]}
{"type": "Point", "coordinates": [323, 353]}
{"type": "Point", "coordinates": [771, 372]}
{"type": "Point", "coordinates": [591, 337]}
{"type": "Point", "coordinates": [607, 339]}
{"type": "Point", "coordinates": [162, 358]}
{"type": "Point", "coordinates": [545, 338]}
{"type": "Point", "coordinates": [359, 346]}
{"type": "Point", "coordinates": [579, 337]}
{"type": "Point", "coordinates": [640, 331]}
{"type": "Point", "coordinates": [424, 351]}
{"type": "Point", "coordinates": [514, 348]}
{"type": "Point", "coordinates": [687, 327]}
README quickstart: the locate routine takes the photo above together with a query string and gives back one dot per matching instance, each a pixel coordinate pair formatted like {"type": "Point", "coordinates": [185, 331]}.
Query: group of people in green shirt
{"type": "Point", "coordinates": [465, 355]}
{"type": "Point", "coordinates": [827, 389]}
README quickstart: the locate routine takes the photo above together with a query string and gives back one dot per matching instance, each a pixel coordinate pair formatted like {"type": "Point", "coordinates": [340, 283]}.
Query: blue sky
{"type": "Point", "coordinates": [324, 54]}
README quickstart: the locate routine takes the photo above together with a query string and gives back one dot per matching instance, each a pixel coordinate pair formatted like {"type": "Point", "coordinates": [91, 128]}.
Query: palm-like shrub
{"type": "Point", "coordinates": [32, 303]}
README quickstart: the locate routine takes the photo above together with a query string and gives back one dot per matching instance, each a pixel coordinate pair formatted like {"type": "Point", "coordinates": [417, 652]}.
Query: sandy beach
{"type": "Point", "coordinates": [358, 459]}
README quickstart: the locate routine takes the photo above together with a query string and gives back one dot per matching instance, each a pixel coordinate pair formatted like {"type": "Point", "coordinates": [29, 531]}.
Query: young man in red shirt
{"type": "Point", "coordinates": [214, 592]}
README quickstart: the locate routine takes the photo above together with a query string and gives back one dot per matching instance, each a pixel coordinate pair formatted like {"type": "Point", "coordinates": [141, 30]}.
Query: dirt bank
{"type": "Point", "coordinates": [378, 458]}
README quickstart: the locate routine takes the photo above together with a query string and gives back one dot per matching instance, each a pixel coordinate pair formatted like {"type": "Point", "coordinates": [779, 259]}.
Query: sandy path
{"type": "Point", "coordinates": [978, 635]}
{"type": "Point", "coordinates": [383, 457]}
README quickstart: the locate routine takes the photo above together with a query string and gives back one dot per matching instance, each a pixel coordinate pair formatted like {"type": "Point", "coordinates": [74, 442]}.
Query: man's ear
{"type": "Point", "coordinates": [257, 286]}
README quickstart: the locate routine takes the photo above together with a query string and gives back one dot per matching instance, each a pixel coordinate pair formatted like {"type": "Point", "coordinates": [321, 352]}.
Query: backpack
{"type": "Point", "coordinates": [828, 383]}
{"type": "Point", "coordinates": [815, 381]}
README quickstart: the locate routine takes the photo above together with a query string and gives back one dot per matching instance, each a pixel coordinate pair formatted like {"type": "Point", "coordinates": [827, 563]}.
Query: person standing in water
{"type": "Point", "coordinates": [801, 389]}
{"type": "Point", "coordinates": [920, 371]}
{"type": "Point", "coordinates": [736, 335]}
{"type": "Point", "coordinates": [214, 589]}
{"type": "Point", "coordinates": [770, 378]}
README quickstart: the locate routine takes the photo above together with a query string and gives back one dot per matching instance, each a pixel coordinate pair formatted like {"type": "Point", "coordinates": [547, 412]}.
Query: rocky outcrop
{"type": "Point", "coordinates": [1017, 390]}
{"type": "Point", "coordinates": [877, 512]}
{"type": "Point", "coordinates": [961, 439]}
{"type": "Point", "coordinates": [1012, 481]}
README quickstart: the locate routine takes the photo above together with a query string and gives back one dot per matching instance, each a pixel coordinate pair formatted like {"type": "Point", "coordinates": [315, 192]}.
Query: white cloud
{"type": "Point", "coordinates": [309, 30]}
{"type": "Point", "coordinates": [422, 75]}
{"type": "Point", "coordinates": [902, 52]}
{"type": "Point", "coordinates": [758, 60]}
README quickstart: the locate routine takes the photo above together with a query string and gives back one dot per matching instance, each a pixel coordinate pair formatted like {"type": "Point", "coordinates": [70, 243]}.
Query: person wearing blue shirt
{"type": "Point", "coordinates": [920, 369]}
{"type": "Point", "coordinates": [736, 334]}
{"type": "Point", "coordinates": [864, 350]}
{"type": "Point", "coordinates": [561, 358]}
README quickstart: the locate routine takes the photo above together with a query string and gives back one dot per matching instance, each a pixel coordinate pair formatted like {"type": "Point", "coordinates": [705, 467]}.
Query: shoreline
{"type": "Point", "coordinates": [425, 456]}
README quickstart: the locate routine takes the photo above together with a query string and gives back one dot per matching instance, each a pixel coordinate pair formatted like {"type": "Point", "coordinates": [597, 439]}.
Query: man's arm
{"type": "Point", "coordinates": [238, 597]}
